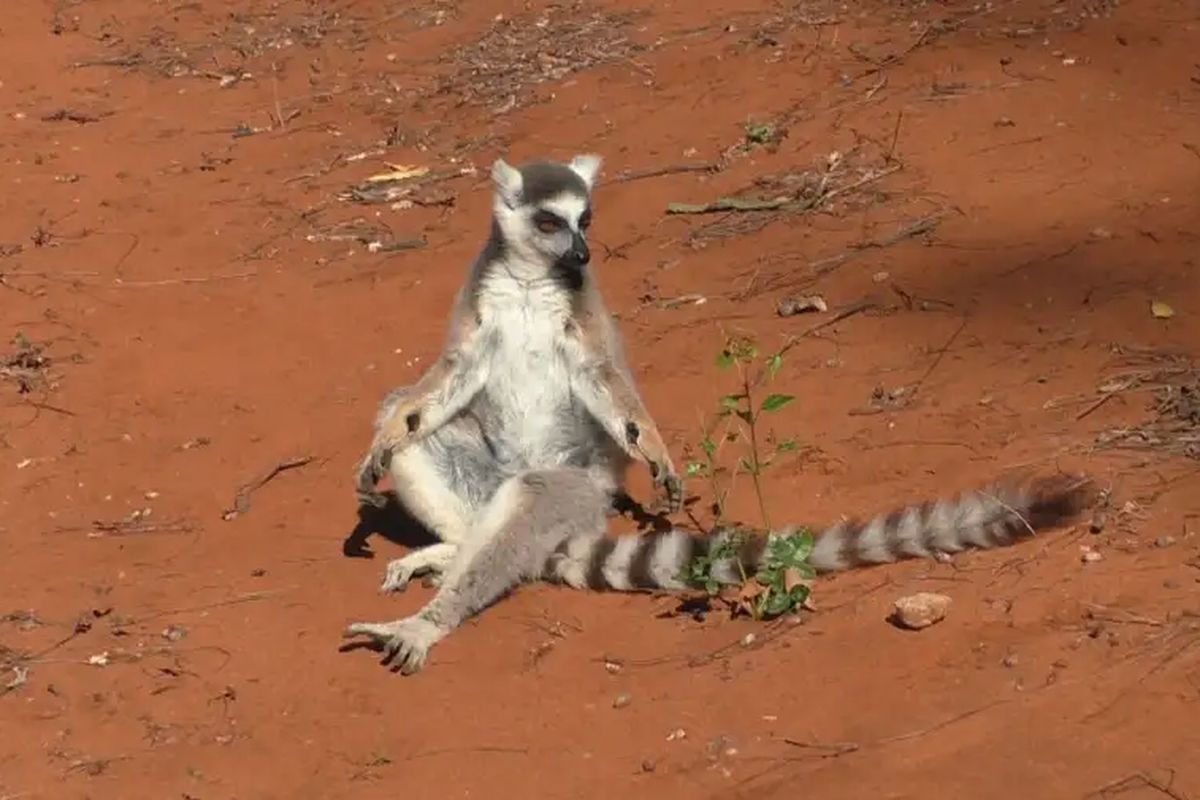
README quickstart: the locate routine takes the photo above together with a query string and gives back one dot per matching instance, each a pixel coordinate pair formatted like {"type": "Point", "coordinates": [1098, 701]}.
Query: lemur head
{"type": "Point", "coordinates": [542, 211]}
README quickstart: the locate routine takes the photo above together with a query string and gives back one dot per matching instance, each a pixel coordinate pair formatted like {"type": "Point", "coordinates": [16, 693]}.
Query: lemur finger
{"type": "Point", "coordinates": [371, 629]}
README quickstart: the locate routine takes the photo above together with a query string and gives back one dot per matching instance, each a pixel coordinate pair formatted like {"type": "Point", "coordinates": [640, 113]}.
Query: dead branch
{"type": "Point", "coordinates": [241, 500]}
{"type": "Point", "coordinates": [627, 177]}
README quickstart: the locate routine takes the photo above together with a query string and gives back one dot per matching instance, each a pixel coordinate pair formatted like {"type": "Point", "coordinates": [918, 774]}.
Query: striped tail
{"type": "Point", "coordinates": [996, 516]}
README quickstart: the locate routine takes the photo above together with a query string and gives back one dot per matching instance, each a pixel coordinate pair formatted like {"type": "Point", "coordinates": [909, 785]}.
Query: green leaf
{"type": "Point", "coordinates": [724, 359]}
{"type": "Point", "coordinates": [709, 447]}
{"type": "Point", "coordinates": [787, 445]}
{"type": "Point", "coordinates": [804, 542]}
{"type": "Point", "coordinates": [778, 603]}
{"type": "Point", "coordinates": [798, 595]}
{"type": "Point", "coordinates": [695, 468]}
{"type": "Point", "coordinates": [730, 402]}
{"type": "Point", "coordinates": [774, 363]}
{"type": "Point", "coordinates": [746, 466]}
{"type": "Point", "coordinates": [774, 402]}
{"type": "Point", "coordinates": [759, 133]}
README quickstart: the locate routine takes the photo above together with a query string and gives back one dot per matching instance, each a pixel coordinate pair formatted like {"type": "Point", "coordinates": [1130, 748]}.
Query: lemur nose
{"type": "Point", "coordinates": [579, 251]}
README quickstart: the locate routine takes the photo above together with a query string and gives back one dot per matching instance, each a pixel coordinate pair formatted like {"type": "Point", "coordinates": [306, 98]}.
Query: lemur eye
{"type": "Point", "coordinates": [585, 221]}
{"type": "Point", "coordinates": [548, 223]}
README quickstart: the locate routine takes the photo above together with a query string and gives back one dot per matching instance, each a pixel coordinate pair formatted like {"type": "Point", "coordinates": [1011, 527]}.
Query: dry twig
{"type": "Point", "coordinates": [241, 500]}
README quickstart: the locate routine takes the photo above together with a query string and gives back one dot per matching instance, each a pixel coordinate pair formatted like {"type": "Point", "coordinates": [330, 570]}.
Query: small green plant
{"type": "Point", "coordinates": [780, 584]}
{"type": "Point", "coordinates": [700, 569]}
{"type": "Point", "coordinates": [759, 132]}
{"type": "Point", "coordinates": [741, 415]}
{"type": "Point", "coordinates": [784, 575]}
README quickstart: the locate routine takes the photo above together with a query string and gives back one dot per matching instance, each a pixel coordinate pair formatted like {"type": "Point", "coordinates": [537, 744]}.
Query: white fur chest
{"type": "Point", "coordinates": [528, 388]}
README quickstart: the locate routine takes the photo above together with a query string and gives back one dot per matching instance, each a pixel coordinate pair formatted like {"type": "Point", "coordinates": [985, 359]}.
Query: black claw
{"type": "Point", "coordinates": [632, 432]}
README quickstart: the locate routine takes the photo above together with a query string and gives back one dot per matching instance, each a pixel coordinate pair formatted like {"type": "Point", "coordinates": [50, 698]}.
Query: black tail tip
{"type": "Point", "coordinates": [1058, 499]}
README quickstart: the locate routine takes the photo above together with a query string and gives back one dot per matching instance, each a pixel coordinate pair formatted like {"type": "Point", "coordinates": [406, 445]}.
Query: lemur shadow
{"type": "Point", "coordinates": [393, 522]}
{"type": "Point", "coordinates": [655, 521]}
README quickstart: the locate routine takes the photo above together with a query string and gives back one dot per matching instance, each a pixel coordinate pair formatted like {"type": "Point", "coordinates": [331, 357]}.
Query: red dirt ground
{"type": "Point", "coordinates": [202, 326]}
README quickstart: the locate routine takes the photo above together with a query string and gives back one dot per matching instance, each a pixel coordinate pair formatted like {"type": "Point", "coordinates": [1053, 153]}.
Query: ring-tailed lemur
{"type": "Point", "coordinates": [513, 444]}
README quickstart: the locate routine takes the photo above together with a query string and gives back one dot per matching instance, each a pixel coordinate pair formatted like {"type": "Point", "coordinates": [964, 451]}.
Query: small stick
{"type": "Point", "coordinates": [1104, 398]}
{"type": "Point", "coordinates": [740, 204]}
{"type": "Point", "coordinates": [658, 172]}
{"type": "Point", "coordinates": [1135, 781]}
{"type": "Point", "coordinates": [241, 500]}
{"type": "Point", "coordinates": [895, 136]}
{"type": "Point", "coordinates": [848, 311]}
{"type": "Point", "coordinates": [833, 750]}
{"type": "Point", "coordinates": [47, 407]}
{"type": "Point", "coordinates": [117, 61]}
{"type": "Point", "coordinates": [180, 281]}
{"type": "Point", "coordinates": [248, 597]}
{"type": "Point", "coordinates": [940, 355]}
{"type": "Point", "coordinates": [275, 94]}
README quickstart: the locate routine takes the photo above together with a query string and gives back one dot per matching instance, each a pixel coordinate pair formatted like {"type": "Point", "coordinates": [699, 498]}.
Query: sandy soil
{"type": "Point", "coordinates": [190, 295]}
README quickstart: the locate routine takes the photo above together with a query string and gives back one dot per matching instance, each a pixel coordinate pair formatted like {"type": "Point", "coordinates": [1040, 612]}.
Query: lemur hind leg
{"type": "Point", "coordinates": [424, 491]}
{"type": "Point", "coordinates": [529, 516]}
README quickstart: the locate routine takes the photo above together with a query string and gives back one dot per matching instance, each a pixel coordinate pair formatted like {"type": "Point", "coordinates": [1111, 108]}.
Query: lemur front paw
{"type": "Point", "coordinates": [672, 488]}
{"type": "Point", "coordinates": [368, 477]}
{"type": "Point", "coordinates": [406, 642]}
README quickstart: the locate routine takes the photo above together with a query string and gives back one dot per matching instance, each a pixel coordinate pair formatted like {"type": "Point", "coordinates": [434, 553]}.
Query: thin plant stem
{"type": "Point", "coordinates": [756, 464]}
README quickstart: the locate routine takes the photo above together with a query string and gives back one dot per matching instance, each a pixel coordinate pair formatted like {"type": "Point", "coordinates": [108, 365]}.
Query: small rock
{"type": "Point", "coordinates": [612, 667]}
{"type": "Point", "coordinates": [881, 277]}
{"type": "Point", "coordinates": [622, 700]}
{"type": "Point", "coordinates": [1099, 522]}
{"type": "Point", "coordinates": [748, 639]}
{"type": "Point", "coordinates": [648, 765]}
{"type": "Point", "coordinates": [920, 610]}
{"type": "Point", "coordinates": [1090, 556]}
{"type": "Point", "coordinates": [1011, 660]}
{"type": "Point", "coordinates": [791, 306]}
{"type": "Point", "coordinates": [678, 733]}
{"type": "Point", "coordinates": [1164, 541]}
{"type": "Point", "coordinates": [173, 633]}
{"type": "Point", "coordinates": [1101, 233]}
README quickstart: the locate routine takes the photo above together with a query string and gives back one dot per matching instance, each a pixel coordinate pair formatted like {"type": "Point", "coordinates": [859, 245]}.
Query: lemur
{"type": "Point", "coordinates": [513, 445]}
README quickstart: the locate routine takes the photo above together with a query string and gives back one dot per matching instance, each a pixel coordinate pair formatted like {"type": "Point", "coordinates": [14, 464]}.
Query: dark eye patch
{"type": "Point", "coordinates": [585, 220]}
{"type": "Point", "coordinates": [548, 222]}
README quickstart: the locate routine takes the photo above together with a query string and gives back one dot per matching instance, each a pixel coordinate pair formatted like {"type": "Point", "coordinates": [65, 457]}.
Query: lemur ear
{"type": "Point", "coordinates": [508, 183]}
{"type": "Point", "coordinates": [587, 166]}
